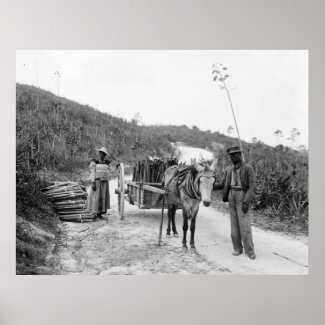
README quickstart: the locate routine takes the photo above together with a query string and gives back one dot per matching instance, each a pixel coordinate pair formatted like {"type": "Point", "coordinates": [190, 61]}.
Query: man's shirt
{"type": "Point", "coordinates": [235, 178]}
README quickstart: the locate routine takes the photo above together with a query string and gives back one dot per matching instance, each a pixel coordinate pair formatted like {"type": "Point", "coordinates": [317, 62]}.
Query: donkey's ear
{"type": "Point", "coordinates": [214, 165]}
{"type": "Point", "coordinates": [197, 166]}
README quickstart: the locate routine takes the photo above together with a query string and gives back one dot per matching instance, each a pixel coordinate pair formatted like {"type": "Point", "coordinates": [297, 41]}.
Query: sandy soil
{"type": "Point", "coordinates": [112, 246]}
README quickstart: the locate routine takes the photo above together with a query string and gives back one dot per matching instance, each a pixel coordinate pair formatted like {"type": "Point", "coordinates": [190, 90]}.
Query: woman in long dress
{"type": "Point", "coordinates": [98, 201]}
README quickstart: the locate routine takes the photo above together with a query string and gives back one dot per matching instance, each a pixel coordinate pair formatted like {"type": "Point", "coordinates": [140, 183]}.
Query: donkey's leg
{"type": "Point", "coordinates": [192, 228]}
{"type": "Point", "coordinates": [194, 211]}
{"type": "Point", "coordinates": [173, 212]}
{"type": "Point", "coordinates": [185, 227]}
{"type": "Point", "coordinates": [169, 219]}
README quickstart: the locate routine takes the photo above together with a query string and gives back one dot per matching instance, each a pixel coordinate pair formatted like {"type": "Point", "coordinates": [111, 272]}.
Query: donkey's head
{"type": "Point", "coordinates": [205, 179]}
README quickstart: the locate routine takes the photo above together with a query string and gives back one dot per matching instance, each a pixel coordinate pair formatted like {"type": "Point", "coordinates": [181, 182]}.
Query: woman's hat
{"type": "Point", "coordinates": [103, 149]}
{"type": "Point", "coordinates": [233, 149]}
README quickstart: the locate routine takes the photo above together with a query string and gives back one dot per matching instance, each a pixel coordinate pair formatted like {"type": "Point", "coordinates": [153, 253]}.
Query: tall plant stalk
{"type": "Point", "coordinates": [219, 76]}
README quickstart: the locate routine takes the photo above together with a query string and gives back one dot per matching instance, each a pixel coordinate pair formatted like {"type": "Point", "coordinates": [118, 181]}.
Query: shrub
{"type": "Point", "coordinates": [28, 190]}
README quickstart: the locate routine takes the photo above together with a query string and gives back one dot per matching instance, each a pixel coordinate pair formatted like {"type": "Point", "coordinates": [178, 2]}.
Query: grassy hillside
{"type": "Point", "coordinates": [64, 133]}
{"type": "Point", "coordinates": [61, 135]}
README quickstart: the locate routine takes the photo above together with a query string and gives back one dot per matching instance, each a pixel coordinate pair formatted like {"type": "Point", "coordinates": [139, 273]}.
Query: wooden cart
{"type": "Point", "coordinates": [142, 194]}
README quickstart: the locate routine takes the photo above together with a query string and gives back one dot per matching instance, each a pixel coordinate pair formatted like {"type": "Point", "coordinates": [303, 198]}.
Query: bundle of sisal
{"type": "Point", "coordinates": [152, 169]}
{"type": "Point", "coordinates": [68, 199]}
{"type": "Point", "coordinates": [80, 217]}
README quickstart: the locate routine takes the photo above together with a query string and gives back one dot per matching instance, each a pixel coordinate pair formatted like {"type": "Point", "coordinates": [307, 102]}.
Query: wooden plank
{"type": "Point", "coordinates": [146, 187]}
{"type": "Point", "coordinates": [153, 189]}
{"type": "Point", "coordinates": [147, 183]}
{"type": "Point", "coordinates": [139, 196]}
{"type": "Point", "coordinates": [133, 184]}
{"type": "Point", "coordinates": [137, 184]}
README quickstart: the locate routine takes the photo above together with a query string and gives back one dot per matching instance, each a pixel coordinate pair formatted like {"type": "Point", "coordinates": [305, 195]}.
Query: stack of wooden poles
{"type": "Point", "coordinates": [68, 199]}
{"type": "Point", "coordinates": [152, 170]}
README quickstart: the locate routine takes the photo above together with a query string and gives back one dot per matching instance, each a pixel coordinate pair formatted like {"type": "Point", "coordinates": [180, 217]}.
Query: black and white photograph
{"type": "Point", "coordinates": [162, 162]}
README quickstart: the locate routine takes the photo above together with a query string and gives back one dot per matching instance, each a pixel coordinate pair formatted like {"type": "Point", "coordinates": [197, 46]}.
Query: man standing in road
{"type": "Point", "coordinates": [238, 190]}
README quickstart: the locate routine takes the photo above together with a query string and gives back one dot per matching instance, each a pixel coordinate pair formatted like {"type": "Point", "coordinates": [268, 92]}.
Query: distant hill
{"type": "Point", "coordinates": [64, 134]}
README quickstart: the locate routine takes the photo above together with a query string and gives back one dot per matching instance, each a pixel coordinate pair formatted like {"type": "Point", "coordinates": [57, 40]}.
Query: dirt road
{"type": "Point", "coordinates": [112, 246]}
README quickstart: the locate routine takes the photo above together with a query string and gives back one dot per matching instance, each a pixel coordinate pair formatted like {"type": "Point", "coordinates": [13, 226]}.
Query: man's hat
{"type": "Point", "coordinates": [103, 149]}
{"type": "Point", "coordinates": [233, 149]}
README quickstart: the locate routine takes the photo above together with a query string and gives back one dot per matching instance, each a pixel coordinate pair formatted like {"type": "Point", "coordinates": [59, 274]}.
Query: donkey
{"type": "Point", "coordinates": [187, 186]}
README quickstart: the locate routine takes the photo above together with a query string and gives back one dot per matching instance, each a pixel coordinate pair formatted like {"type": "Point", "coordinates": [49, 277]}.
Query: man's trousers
{"type": "Point", "coordinates": [241, 231]}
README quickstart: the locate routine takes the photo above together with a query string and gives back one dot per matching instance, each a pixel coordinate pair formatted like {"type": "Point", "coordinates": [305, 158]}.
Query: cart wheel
{"type": "Point", "coordinates": [121, 196]}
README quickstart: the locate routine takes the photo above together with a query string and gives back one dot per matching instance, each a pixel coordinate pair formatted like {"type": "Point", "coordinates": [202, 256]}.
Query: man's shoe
{"type": "Point", "coordinates": [252, 256]}
{"type": "Point", "coordinates": [236, 253]}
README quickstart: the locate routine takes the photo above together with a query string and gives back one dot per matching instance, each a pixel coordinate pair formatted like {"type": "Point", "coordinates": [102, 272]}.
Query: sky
{"type": "Point", "coordinates": [268, 88]}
